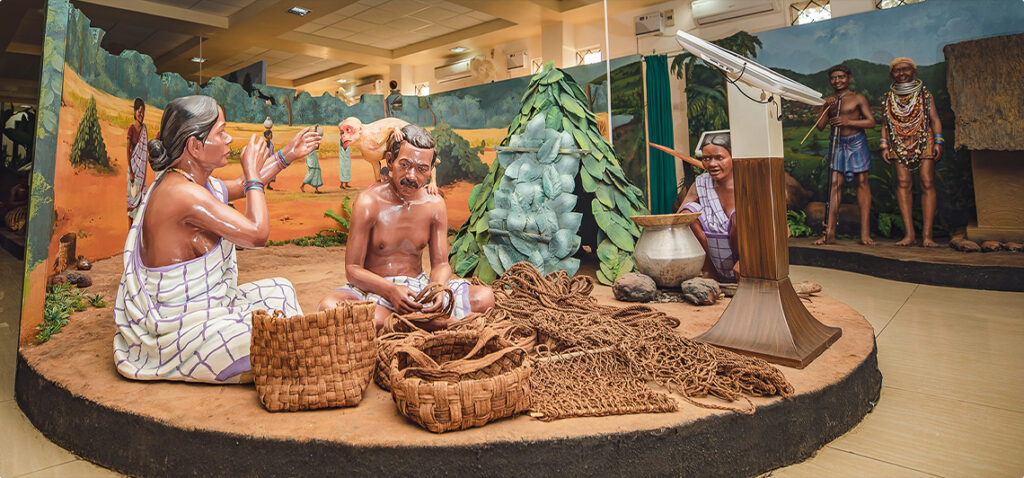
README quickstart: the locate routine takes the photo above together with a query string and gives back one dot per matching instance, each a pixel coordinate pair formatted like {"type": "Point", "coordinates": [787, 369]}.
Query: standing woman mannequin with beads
{"type": "Point", "coordinates": [180, 312]}
{"type": "Point", "coordinates": [912, 135]}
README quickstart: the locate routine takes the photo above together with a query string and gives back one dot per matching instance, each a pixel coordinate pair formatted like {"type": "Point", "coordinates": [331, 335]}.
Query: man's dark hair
{"type": "Point", "coordinates": [393, 84]}
{"type": "Point", "coordinates": [138, 104]}
{"type": "Point", "coordinates": [840, 67]}
{"type": "Point", "coordinates": [416, 136]}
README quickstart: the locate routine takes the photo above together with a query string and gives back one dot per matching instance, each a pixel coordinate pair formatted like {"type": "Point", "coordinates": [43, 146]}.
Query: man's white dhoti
{"type": "Point", "coordinates": [189, 321]}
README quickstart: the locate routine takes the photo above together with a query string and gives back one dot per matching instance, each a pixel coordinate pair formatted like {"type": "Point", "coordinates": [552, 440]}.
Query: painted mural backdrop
{"type": "Point", "coordinates": [866, 43]}
{"type": "Point", "coordinates": [84, 166]}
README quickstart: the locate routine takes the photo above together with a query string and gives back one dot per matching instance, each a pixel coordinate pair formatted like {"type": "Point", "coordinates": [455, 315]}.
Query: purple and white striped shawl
{"type": "Point", "coordinates": [189, 321]}
{"type": "Point", "coordinates": [715, 224]}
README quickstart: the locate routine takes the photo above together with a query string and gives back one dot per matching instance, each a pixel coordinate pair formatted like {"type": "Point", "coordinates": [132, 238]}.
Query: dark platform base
{"type": "Point", "coordinates": [779, 434]}
{"type": "Point", "coordinates": [987, 271]}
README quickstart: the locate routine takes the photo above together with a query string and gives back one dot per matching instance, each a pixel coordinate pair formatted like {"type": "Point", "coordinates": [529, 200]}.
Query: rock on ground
{"type": "Point", "coordinates": [634, 287]}
{"type": "Point", "coordinates": [700, 291]}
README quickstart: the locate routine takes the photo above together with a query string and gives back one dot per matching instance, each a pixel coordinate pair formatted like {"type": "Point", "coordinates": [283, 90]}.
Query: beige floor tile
{"type": "Point", "coordinates": [77, 469]}
{"type": "Point", "coordinates": [876, 299]}
{"type": "Point", "coordinates": [22, 448]}
{"type": "Point", "coordinates": [940, 436]}
{"type": "Point", "coordinates": [983, 303]}
{"type": "Point", "coordinates": [973, 359]}
{"type": "Point", "coordinates": [830, 462]}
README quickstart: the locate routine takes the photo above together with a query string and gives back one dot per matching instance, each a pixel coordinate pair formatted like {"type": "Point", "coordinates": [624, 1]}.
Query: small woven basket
{"type": "Point", "coordinates": [459, 380]}
{"type": "Point", "coordinates": [319, 360]}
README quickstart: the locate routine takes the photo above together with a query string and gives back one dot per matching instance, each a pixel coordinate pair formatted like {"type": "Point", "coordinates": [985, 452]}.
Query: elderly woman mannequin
{"type": "Point", "coordinates": [712, 194]}
{"type": "Point", "coordinates": [179, 311]}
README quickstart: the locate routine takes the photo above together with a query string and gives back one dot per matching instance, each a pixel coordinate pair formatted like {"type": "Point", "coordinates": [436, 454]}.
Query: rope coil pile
{"type": "Point", "coordinates": [596, 360]}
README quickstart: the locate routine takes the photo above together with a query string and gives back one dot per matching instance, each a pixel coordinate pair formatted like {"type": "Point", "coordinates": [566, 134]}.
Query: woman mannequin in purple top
{"type": "Point", "coordinates": [713, 195]}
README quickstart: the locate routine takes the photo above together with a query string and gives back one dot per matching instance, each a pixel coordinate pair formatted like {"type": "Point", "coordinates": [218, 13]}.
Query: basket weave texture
{"type": "Point", "coordinates": [459, 380]}
{"type": "Point", "coordinates": [319, 360]}
{"type": "Point", "coordinates": [397, 331]}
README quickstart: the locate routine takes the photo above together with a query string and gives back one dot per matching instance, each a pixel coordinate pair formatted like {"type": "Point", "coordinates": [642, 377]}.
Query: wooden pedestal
{"type": "Point", "coordinates": [765, 317]}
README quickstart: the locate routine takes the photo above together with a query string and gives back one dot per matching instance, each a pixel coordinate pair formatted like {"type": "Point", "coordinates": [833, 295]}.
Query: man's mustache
{"type": "Point", "coordinates": [408, 182]}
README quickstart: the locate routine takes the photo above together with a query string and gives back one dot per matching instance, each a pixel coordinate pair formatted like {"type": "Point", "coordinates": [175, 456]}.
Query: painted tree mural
{"type": "Point", "coordinates": [88, 149]}
{"type": "Point", "coordinates": [600, 184]}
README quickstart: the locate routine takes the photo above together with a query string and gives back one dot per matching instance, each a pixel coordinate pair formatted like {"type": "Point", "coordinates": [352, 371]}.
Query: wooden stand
{"type": "Point", "coordinates": [765, 317]}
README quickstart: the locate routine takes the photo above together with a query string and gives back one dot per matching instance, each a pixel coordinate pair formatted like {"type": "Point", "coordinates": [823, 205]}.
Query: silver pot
{"type": "Point", "coordinates": [667, 249]}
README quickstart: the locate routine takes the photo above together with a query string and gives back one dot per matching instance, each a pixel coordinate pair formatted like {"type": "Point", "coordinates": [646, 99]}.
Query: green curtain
{"type": "Point", "coordinates": [659, 128]}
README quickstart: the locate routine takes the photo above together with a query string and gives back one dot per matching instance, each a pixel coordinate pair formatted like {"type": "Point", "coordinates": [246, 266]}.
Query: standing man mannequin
{"type": "Point", "coordinates": [393, 101]}
{"type": "Point", "coordinates": [852, 159]}
{"type": "Point", "coordinates": [912, 135]}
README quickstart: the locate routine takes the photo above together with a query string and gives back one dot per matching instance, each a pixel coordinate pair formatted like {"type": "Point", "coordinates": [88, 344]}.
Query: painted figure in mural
{"type": "Point", "coordinates": [180, 313]}
{"type": "Point", "coordinates": [393, 101]}
{"type": "Point", "coordinates": [712, 194]}
{"type": "Point", "coordinates": [372, 141]}
{"type": "Point", "coordinates": [138, 138]}
{"type": "Point", "coordinates": [392, 223]}
{"type": "Point", "coordinates": [852, 159]}
{"type": "Point", "coordinates": [269, 136]}
{"type": "Point", "coordinates": [912, 135]}
{"type": "Point", "coordinates": [344, 164]}
{"type": "Point", "coordinates": [313, 176]}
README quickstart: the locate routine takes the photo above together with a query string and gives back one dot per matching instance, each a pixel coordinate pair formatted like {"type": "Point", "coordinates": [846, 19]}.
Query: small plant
{"type": "Point", "coordinates": [327, 237]}
{"type": "Point", "coordinates": [96, 301]}
{"type": "Point", "coordinates": [797, 222]}
{"type": "Point", "coordinates": [890, 224]}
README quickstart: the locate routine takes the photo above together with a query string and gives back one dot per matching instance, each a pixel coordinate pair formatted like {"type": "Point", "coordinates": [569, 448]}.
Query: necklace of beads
{"type": "Point", "coordinates": [906, 119]}
{"type": "Point", "coordinates": [188, 176]}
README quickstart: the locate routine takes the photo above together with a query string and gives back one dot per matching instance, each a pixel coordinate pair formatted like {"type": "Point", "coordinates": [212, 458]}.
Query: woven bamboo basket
{"type": "Point", "coordinates": [459, 380]}
{"type": "Point", "coordinates": [319, 360]}
{"type": "Point", "coordinates": [396, 331]}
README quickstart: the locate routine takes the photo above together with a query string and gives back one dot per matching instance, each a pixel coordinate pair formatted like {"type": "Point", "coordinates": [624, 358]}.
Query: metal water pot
{"type": "Point", "coordinates": [667, 249]}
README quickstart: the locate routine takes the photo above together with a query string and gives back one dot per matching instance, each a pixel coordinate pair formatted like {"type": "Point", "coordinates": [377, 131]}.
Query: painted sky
{"type": "Point", "coordinates": [879, 36]}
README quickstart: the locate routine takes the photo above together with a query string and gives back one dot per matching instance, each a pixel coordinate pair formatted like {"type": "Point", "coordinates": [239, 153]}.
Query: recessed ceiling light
{"type": "Point", "coordinates": [342, 80]}
{"type": "Point", "coordinates": [459, 49]}
{"type": "Point", "coordinates": [298, 11]}
{"type": "Point", "coordinates": [197, 59]}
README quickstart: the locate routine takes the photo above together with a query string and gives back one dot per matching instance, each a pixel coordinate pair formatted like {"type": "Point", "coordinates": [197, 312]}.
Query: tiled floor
{"type": "Point", "coordinates": [952, 390]}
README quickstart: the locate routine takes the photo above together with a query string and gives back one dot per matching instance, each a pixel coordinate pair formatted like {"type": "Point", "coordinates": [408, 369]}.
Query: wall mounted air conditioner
{"type": "Point", "coordinates": [650, 23]}
{"type": "Point", "coordinates": [369, 87]}
{"type": "Point", "coordinates": [706, 12]}
{"type": "Point", "coordinates": [455, 71]}
{"type": "Point", "coordinates": [515, 60]}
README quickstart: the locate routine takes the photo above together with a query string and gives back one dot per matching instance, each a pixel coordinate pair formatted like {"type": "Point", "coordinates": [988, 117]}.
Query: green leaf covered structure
{"type": "Point", "coordinates": [531, 204]}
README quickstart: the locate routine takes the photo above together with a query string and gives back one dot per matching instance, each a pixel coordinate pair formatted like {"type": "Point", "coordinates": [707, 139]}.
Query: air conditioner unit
{"type": "Point", "coordinates": [650, 23]}
{"type": "Point", "coordinates": [369, 87]}
{"type": "Point", "coordinates": [706, 12]}
{"type": "Point", "coordinates": [455, 71]}
{"type": "Point", "coordinates": [515, 60]}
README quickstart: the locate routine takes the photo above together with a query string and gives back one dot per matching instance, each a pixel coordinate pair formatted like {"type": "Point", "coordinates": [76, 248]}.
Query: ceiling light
{"type": "Point", "coordinates": [298, 11]}
{"type": "Point", "coordinates": [459, 49]}
{"type": "Point", "coordinates": [342, 80]}
{"type": "Point", "coordinates": [197, 59]}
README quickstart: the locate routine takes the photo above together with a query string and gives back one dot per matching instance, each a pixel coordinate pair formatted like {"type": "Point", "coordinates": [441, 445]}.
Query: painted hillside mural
{"type": "Point", "coordinates": [866, 43]}
{"type": "Point", "coordinates": [95, 138]}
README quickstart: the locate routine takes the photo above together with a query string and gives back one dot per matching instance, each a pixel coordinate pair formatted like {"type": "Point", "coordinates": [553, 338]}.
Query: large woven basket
{"type": "Point", "coordinates": [459, 380]}
{"type": "Point", "coordinates": [396, 331]}
{"type": "Point", "coordinates": [314, 361]}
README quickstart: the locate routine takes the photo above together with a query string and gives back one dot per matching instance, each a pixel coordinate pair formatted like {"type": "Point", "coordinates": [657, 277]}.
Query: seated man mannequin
{"type": "Point", "coordinates": [372, 140]}
{"type": "Point", "coordinates": [712, 194]}
{"type": "Point", "coordinates": [392, 222]}
{"type": "Point", "coordinates": [179, 311]}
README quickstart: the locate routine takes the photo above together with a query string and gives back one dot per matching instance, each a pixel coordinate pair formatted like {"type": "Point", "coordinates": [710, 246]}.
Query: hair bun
{"type": "Point", "coordinates": [157, 154]}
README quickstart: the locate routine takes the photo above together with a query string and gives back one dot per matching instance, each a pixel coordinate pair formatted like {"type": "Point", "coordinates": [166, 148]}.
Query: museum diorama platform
{"type": "Point", "coordinates": [70, 390]}
{"type": "Point", "coordinates": [942, 266]}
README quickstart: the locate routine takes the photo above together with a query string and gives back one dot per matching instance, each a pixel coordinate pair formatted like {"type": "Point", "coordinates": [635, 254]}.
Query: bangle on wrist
{"type": "Point", "coordinates": [255, 186]}
{"type": "Point", "coordinates": [280, 160]}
